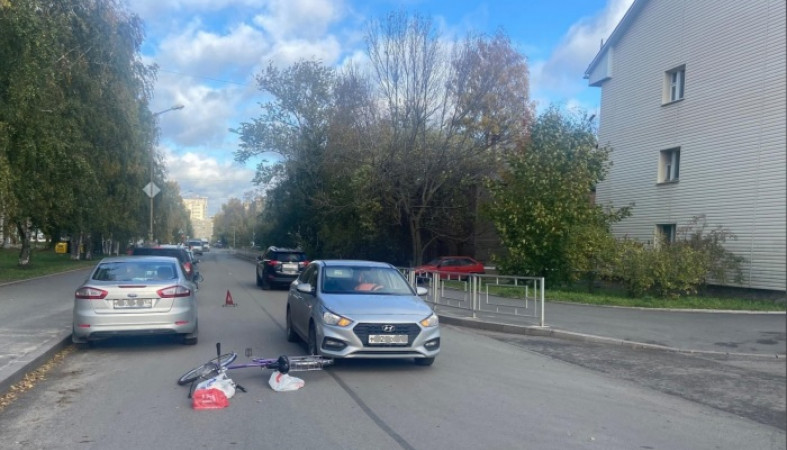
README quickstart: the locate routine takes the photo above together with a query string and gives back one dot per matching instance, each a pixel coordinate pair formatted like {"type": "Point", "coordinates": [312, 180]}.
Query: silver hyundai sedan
{"type": "Point", "coordinates": [361, 309]}
{"type": "Point", "coordinates": [135, 295]}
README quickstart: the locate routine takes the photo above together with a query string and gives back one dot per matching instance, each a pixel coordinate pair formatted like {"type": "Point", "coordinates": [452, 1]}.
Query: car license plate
{"type": "Point", "coordinates": [290, 268]}
{"type": "Point", "coordinates": [387, 338]}
{"type": "Point", "coordinates": [129, 303]}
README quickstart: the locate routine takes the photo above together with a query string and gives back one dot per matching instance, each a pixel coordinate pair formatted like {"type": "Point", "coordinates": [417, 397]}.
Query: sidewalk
{"type": "Point", "coordinates": [711, 332]}
{"type": "Point", "coordinates": [34, 329]}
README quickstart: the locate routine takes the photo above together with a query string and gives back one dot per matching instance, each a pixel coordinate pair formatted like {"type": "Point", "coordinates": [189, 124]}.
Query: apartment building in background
{"type": "Point", "coordinates": [198, 212]}
{"type": "Point", "coordinates": [693, 106]}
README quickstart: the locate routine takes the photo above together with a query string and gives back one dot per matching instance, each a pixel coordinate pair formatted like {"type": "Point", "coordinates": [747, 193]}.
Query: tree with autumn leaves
{"type": "Point", "coordinates": [76, 134]}
{"type": "Point", "coordinates": [383, 160]}
{"type": "Point", "coordinates": [541, 205]}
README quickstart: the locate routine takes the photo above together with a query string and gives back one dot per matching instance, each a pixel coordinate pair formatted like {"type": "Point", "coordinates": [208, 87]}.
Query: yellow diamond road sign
{"type": "Point", "coordinates": [151, 189]}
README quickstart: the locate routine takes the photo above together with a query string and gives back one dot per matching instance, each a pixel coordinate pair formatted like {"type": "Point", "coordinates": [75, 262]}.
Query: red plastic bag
{"type": "Point", "coordinates": [211, 398]}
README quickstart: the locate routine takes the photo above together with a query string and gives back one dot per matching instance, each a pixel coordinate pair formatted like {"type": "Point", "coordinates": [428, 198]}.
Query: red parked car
{"type": "Point", "coordinates": [453, 266]}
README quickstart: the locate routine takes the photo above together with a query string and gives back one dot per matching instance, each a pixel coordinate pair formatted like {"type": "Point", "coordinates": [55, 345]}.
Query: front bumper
{"type": "Point", "coordinates": [352, 342]}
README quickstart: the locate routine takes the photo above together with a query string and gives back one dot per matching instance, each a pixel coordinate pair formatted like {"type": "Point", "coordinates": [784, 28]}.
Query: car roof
{"type": "Point", "coordinates": [181, 252]}
{"type": "Point", "coordinates": [132, 258]}
{"type": "Point", "coordinates": [284, 249]}
{"type": "Point", "coordinates": [353, 263]}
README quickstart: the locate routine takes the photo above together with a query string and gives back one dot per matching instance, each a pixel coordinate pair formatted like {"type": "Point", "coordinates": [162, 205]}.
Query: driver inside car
{"type": "Point", "coordinates": [367, 282]}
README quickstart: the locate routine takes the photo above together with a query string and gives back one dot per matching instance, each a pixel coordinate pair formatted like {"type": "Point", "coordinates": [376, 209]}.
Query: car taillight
{"type": "Point", "coordinates": [187, 268]}
{"type": "Point", "coordinates": [90, 293]}
{"type": "Point", "coordinates": [273, 263]}
{"type": "Point", "coordinates": [174, 291]}
{"type": "Point", "coordinates": [303, 264]}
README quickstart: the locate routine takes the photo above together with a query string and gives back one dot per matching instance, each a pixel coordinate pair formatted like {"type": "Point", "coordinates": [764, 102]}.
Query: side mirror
{"type": "Point", "coordinates": [421, 291]}
{"type": "Point", "coordinates": [306, 288]}
{"type": "Point", "coordinates": [259, 257]}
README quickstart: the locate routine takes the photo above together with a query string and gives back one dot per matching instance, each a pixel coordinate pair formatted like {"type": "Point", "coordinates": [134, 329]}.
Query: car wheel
{"type": "Point", "coordinates": [265, 285]}
{"type": "Point", "coordinates": [291, 335]}
{"type": "Point", "coordinates": [80, 344]}
{"type": "Point", "coordinates": [312, 343]}
{"type": "Point", "coordinates": [424, 361]}
{"type": "Point", "coordinates": [190, 339]}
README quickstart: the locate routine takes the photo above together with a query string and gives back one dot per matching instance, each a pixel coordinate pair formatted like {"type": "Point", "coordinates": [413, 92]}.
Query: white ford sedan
{"type": "Point", "coordinates": [132, 296]}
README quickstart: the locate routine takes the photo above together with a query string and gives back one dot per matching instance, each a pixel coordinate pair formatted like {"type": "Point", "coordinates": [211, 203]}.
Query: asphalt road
{"type": "Point", "coordinates": [486, 390]}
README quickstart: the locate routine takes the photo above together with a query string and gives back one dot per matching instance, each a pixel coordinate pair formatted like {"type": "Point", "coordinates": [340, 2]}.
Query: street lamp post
{"type": "Point", "coordinates": [151, 186]}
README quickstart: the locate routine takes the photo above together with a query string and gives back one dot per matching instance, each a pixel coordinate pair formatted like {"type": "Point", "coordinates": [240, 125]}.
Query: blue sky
{"type": "Point", "coordinates": [208, 52]}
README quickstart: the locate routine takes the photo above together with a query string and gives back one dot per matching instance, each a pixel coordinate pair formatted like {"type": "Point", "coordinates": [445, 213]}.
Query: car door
{"type": "Point", "coordinates": [300, 302]}
{"type": "Point", "coordinates": [446, 267]}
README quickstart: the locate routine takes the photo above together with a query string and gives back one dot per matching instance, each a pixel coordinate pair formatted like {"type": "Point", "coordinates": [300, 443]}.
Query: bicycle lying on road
{"type": "Point", "coordinates": [223, 363]}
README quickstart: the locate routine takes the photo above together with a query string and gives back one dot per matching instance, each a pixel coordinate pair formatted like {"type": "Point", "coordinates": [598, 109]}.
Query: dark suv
{"type": "Point", "coordinates": [279, 266]}
{"type": "Point", "coordinates": [187, 261]}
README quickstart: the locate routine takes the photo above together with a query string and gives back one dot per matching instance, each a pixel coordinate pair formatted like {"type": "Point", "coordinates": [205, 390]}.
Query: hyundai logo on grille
{"type": "Point", "coordinates": [389, 328]}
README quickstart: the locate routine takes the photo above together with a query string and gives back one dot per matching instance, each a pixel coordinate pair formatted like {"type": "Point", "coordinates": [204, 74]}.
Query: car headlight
{"type": "Point", "coordinates": [431, 321]}
{"type": "Point", "coordinates": [330, 318]}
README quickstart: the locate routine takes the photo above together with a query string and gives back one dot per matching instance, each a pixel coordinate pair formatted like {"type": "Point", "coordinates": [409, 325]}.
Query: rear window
{"type": "Point", "coordinates": [135, 271]}
{"type": "Point", "coordinates": [289, 256]}
{"type": "Point", "coordinates": [177, 253]}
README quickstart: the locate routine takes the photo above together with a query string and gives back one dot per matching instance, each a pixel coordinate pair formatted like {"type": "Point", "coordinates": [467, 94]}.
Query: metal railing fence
{"type": "Point", "coordinates": [475, 294]}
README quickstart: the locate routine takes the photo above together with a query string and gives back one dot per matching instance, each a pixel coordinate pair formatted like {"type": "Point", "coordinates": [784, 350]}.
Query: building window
{"type": "Point", "coordinates": [669, 165]}
{"type": "Point", "coordinates": [674, 84]}
{"type": "Point", "coordinates": [665, 233]}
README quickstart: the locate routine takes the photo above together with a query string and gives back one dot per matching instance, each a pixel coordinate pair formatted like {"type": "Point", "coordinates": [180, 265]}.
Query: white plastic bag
{"type": "Point", "coordinates": [220, 382]}
{"type": "Point", "coordinates": [281, 382]}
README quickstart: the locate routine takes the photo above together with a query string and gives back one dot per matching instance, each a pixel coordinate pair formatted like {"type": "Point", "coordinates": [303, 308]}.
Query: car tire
{"type": "Point", "coordinates": [259, 281]}
{"type": "Point", "coordinates": [311, 344]}
{"type": "Point", "coordinates": [265, 285]}
{"type": "Point", "coordinates": [292, 336]}
{"type": "Point", "coordinates": [424, 361]}
{"type": "Point", "coordinates": [190, 339]}
{"type": "Point", "coordinates": [80, 344]}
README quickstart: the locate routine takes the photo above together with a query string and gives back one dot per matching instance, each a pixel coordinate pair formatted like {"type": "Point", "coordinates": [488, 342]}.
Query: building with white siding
{"type": "Point", "coordinates": [693, 105]}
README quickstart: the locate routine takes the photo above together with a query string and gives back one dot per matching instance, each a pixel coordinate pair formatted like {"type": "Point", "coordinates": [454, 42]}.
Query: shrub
{"type": "Point", "coordinates": [680, 267]}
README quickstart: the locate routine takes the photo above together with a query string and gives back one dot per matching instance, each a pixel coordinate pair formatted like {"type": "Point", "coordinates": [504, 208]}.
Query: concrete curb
{"type": "Point", "coordinates": [33, 360]}
{"type": "Point", "coordinates": [641, 308]}
{"type": "Point", "coordinates": [534, 330]}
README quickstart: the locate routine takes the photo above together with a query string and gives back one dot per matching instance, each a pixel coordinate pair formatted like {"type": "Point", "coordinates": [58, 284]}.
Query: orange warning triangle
{"type": "Point", "coordinates": [228, 301]}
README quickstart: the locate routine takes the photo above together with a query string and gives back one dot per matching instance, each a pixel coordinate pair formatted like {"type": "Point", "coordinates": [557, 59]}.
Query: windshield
{"type": "Point", "coordinates": [364, 280]}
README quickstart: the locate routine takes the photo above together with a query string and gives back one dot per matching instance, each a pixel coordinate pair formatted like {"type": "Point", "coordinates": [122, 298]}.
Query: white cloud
{"type": "Point", "coordinates": [150, 10]}
{"type": "Point", "coordinates": [309, 19]}
{"type": "Point", "coordinates": [209, 54]}
{"type": "Point", "coordinates": [203, 176]}
{"type": "Point", "coordinates": [563, 71]}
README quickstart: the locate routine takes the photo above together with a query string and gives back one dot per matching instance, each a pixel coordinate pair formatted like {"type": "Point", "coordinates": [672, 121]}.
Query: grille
{"type": "Point", "coordinates": [363, 330]}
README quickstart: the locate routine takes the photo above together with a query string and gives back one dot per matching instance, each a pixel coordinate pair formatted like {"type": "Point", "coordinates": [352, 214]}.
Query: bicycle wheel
{"type": "Point", "coordinates": [211, 366]}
